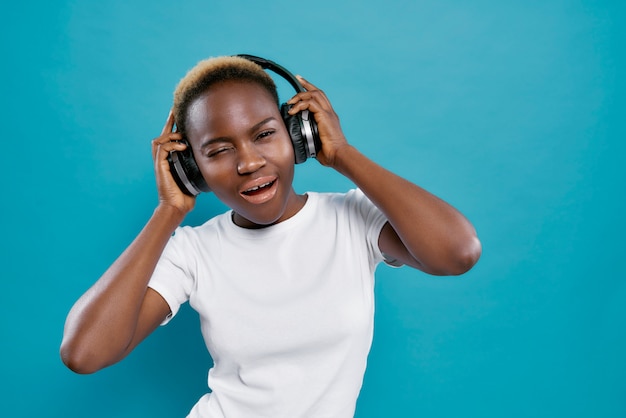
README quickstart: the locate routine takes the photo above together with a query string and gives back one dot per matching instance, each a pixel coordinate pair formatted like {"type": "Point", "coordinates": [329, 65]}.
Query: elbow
{"type": "Point", "coordinates": [456, 259]}
{"type": "Point", "coordinates": [465, 256]}
{"type": "Point", "coordinates": [77, 358]}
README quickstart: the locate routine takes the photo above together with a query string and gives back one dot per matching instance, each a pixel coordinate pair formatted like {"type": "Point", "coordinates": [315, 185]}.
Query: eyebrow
{"type": "Point", "coordinates": [226, 139]}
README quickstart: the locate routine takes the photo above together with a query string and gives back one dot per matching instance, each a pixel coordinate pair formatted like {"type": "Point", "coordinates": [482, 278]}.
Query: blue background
{"type": "Point", "coordinates": [511, 111]}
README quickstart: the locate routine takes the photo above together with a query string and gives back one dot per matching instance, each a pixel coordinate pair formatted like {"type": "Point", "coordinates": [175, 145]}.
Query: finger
{"type": "Point", "coordinates": [310, 87]}
{"type": "Point", "coordinates": [163, 150]}
{"type": "Point", "coordinates": [312, 105]}
{"type": "Point", "coordinates": [170, 146]}
{"type": "Point", "coordinates": [299, 97]}
{"type": "Point", "coordinates": [314, 100]}
{"type": "Point", "coordinates": [312, 96]}
{"type": "Point", "coordinates": [173, 138]}
{"type": "Point", "coordinates": [306, 84]}
{"type": "Point", "coordinates": [313, 93]}
{"type": "Point", "coordinates": [163, 139]}
{"type": "Point", "coordinates": [173, 146]}
{"type": "Point", "coordinates": [169, 124]}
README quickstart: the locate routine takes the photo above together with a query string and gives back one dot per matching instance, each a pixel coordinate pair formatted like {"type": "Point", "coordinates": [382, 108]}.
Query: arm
{"type": "Point", "coordinates": [423, 231]}
{"type": "Point", "coordinates": [119, 310]}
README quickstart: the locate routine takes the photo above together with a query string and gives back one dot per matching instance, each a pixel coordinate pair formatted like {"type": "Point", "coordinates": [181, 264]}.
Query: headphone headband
{"type": "Point", "coordinates": [278, 69]}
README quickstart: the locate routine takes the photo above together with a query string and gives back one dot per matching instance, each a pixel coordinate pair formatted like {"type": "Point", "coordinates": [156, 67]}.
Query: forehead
{"type": "Point", "coordinates": [229, 103]}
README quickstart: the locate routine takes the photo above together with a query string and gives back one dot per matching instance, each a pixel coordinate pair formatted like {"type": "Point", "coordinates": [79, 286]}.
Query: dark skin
{"type": "Point", "coordinates": [244, 152]}
{"type": "Point", "coordinates": [247, 137]}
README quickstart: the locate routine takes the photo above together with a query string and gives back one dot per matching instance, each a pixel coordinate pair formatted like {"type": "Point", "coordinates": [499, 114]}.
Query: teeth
{"type": "Point", "coordinates": [255, 188]}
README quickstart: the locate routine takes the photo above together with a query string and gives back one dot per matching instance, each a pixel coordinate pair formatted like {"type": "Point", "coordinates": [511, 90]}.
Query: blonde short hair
{"type": "Point", "coordinates": [212, 71]}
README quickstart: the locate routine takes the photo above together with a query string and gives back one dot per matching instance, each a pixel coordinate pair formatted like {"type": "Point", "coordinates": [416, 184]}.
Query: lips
{"type": "Point", "coordinates": [260, 190]}
{"type": "Point", "coordinates": [256, 189]}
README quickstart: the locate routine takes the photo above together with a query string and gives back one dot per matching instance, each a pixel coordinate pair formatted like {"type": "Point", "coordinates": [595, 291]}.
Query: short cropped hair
{"type": "Point", "coordinates": [211, 71]}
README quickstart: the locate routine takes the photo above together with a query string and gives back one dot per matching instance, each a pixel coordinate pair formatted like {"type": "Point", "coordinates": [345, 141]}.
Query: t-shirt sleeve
{"type": "Point", "coordinates": [173, 277]}
{"type": "Point", "coordinates": [374, 220]}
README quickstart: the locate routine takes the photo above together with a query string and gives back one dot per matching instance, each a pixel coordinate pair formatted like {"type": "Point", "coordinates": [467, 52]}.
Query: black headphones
{"type": "Point", "coordinates": [302, 129]}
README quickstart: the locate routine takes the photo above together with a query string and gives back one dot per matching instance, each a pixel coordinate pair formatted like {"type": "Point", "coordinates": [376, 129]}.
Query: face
{"type": "Point", "coordinates": [244, 152]}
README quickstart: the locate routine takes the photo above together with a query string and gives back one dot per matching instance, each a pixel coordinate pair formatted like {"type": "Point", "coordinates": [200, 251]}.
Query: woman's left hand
{"type": "Point", "coordinates": [329, 128]}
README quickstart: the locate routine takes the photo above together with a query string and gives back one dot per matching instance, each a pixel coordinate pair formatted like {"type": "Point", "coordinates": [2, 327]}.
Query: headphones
{"type": "Point", "coordinates": [301, 127]}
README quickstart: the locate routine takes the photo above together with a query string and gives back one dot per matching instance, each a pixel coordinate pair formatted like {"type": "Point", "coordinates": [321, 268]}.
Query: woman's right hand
{"type": "Point", "coordinates": [169, 192]}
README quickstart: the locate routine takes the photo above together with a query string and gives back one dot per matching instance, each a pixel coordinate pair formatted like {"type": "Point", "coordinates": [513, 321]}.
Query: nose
{"type": "Point", "coordinates": [250, 160]}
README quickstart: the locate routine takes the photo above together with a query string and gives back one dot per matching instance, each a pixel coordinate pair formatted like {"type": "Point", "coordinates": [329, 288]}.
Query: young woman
{"type": "Point", "coordinates": [283, 282]}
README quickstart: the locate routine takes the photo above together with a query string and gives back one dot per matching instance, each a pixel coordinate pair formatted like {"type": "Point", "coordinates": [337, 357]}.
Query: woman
{"type": "Point", "coordinates": [283, 282]}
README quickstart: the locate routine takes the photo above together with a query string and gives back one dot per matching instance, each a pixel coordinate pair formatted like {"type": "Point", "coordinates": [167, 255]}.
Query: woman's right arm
{"type": "Point", "coordinates": [120, 310]}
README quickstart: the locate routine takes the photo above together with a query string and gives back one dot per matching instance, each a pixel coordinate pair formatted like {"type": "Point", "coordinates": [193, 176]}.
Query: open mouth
{"type": "Point", "coordinates": [260, 189]}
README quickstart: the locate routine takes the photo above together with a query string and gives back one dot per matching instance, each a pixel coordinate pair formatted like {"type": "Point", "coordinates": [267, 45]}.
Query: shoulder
{"type": "Point", "coordinates": [352, 200]}
{"type": "Point", "coordinates": [188, 234]}
{"type": "Point", "coordinates": [338, 198]}
{"type": "Point", "coordinates": [353, 204]}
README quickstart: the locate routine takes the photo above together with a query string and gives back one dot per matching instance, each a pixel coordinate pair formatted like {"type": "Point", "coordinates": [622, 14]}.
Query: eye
{"type": "Point", "coordinates": [265, 134]}
{"type": "Point", "coordinates": [215, 152]}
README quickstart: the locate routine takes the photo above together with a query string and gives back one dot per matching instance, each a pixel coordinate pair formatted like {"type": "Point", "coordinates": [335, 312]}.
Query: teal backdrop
{"type": "Point", "coordinates": [513, 111]}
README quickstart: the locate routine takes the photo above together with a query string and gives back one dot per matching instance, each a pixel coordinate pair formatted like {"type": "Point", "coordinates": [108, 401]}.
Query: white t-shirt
{"type": "Point", "coordinates": [286, 311]}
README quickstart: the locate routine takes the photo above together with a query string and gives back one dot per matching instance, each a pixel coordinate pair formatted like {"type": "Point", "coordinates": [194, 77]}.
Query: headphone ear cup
{"type": "Point", "coordinates": [294, 127]}
{"type": "Point", "coordinates": [186, 173]}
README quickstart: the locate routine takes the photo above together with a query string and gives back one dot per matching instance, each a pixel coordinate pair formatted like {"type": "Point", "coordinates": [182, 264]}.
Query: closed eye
{"type": "Point", "coordinates": [216, 152]}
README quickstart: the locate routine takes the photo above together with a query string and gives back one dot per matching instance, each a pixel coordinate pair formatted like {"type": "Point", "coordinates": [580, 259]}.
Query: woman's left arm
{"type": "Point", "coordinates": [423, 231]}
